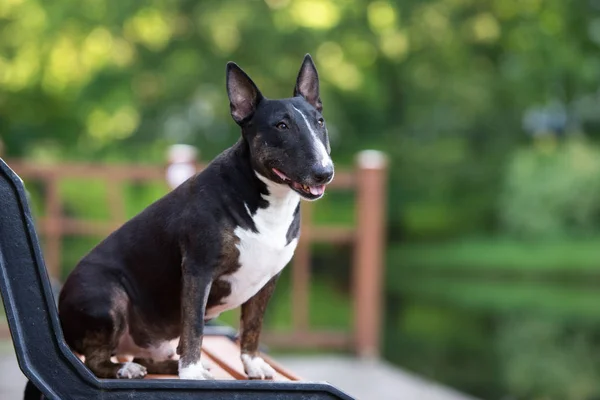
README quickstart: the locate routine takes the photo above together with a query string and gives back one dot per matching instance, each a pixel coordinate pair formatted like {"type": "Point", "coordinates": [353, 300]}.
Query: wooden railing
{"type": "Point", "coordinates": [368, 181]}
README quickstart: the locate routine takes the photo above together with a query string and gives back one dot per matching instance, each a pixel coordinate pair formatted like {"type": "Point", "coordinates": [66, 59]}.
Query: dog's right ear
{"type": "Point", "coordinates": [307, 83]}
{"type": "Point", "coordinates": [243, 94]}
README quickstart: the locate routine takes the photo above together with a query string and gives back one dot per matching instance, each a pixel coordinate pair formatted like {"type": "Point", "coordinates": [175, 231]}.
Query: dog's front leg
{"type": "Point", "coordinates": [195, 288]}
{"type": "Point", "coordinates": [253, 312]}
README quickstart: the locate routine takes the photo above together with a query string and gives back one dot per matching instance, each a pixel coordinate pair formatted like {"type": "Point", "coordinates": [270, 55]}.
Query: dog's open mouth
{"type": "Point", "coordinates": [311, 192]}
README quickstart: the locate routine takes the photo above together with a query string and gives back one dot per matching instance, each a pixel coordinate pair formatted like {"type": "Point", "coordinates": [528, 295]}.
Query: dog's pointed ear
{"type": "Point", "coordinates": [243, 94]}
{"type": "Point", "coordinates": [307, 83]}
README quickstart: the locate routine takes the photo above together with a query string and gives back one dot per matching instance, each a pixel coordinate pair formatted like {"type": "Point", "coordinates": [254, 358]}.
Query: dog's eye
{"type": "Point", "coordinates": [321, 122]}
{"type": "Point", "coordinates": [282, 126]}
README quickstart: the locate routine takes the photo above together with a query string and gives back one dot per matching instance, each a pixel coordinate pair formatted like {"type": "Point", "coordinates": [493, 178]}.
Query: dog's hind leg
{"type": "Point", "coordinates": [99, 347]}
{"type": "Point", "coordinates": [98, 361]}
{"type": "Point", "coordinates": [166, 367]}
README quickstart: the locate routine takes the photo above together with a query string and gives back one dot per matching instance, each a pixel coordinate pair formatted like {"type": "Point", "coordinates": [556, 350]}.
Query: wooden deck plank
{"type": "Point", "coordinates": [224, 358]}
{"type": "Point", "coordinates": [215, 369]}
{"type": "Point", "coordinates": [226, 352]}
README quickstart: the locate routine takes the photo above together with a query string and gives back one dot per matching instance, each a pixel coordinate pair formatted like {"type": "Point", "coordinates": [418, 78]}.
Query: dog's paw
{"type": "Point", "coordinates": [257, 368]}
{"type": "Point", "coordinates": [197, 371]}
{"type": "Point", "coordinates": [131, 370]}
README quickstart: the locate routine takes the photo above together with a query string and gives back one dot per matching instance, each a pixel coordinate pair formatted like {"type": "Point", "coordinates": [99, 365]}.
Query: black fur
{"type": "Point", "coordinates": [294, 229]}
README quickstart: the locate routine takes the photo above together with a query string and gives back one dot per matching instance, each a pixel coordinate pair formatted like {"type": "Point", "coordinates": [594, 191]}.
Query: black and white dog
{"type": "Point", "coordinates": [218, 241]}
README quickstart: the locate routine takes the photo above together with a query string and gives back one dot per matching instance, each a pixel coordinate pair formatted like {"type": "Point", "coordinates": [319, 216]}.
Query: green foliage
{"type": "Point", "coordinates": [552, 190]}
{"type": "Point", "coordinates": [138, 196]}
{"type": "Point", "coordinates": [440, 85]}
{"type": "Point", "coordinates": [336, 208]}
{"type": "Point", "coordinates": [84, 198]}
{"type": "Point", "coordinates": [443, 343]}
{"type": "Point", "coordinates": [543, 359]}
{"type": "Point", "coordinates": [518, 318]}
{"type": "Point", "coordinates": [557, 278]}
{"type": "Point", "coordinates": [73, 249]}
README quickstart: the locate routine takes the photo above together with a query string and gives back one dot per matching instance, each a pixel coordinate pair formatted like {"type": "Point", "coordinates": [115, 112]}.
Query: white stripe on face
{"type": "Point", "coordinates": [318, 144]}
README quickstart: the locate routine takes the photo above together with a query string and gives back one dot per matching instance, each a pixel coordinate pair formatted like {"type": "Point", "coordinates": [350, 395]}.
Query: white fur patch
{"type": "Point", "coordinates": [257, 368]}
{"type": "Point", "coordinates": [195, 371]}
{"type": "Point", "coordinates": [324, 157]}
{"type": "Point", "coordinates": [131, 370]}
{"type": "Point", "coordinates": [263, 254]}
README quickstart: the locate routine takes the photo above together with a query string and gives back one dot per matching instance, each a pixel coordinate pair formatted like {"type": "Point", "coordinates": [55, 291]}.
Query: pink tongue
{"type": "Point", "coordinates": [317, 190]}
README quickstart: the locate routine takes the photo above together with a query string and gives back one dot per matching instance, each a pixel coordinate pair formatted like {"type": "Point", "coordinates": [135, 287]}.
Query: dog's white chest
{"type": "Point", "coordinates": [262, 254]}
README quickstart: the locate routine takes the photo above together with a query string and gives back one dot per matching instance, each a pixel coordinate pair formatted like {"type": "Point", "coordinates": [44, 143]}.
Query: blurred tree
{"type": "Point", "coordinates": [442, 85]}
{"type": "Point", "coordinates": [552, 189]}
{"type": "Point", "coordinates": [543, 359]}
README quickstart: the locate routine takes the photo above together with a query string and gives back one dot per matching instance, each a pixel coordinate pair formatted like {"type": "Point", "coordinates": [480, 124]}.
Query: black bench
{"type": "Point", "coordinates": [54, 372]}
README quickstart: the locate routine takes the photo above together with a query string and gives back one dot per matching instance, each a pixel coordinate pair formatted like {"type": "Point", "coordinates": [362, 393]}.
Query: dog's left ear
{"type": "Point", "coordinates": [307, 83]}
{"type": "Point", "coordinates": [243, 94]}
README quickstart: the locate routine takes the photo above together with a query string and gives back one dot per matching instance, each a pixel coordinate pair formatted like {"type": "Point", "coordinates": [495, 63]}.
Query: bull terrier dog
{"type": "Point", "coordinates": [218, 241]}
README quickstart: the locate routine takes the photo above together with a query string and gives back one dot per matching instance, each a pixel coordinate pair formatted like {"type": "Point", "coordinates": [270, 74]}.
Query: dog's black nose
{"type": "Point", "coordinates": [322, 175]}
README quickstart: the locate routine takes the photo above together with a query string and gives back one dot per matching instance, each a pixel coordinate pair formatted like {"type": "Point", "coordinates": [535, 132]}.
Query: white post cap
{"type": "Point", "coordinates": [372, 159]}
{"type": "Point", "coordinates": [182, 153]}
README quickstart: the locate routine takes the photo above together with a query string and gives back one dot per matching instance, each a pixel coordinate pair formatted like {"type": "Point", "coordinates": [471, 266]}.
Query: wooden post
{"type": "Point", "coordinates": [182, 164]}
{"type": "Point", "coordinates": [368, 253]}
